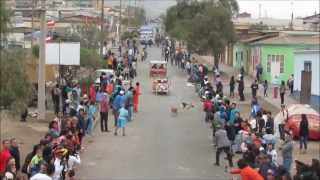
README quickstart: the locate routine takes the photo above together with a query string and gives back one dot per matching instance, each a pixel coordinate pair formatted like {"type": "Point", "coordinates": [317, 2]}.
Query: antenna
{"type": "Point", "coordinates": [260, 6]}
{"type": "Point", "coordinates": [291, 22]}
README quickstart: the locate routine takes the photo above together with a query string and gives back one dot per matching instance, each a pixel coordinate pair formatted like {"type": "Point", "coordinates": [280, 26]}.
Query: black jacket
{"type": "Point", "coordinates": [270, 126]}
{"type": "Point", "coordinates": [304, 128]}
{"type": "Point", "coordinates": [15, 153]}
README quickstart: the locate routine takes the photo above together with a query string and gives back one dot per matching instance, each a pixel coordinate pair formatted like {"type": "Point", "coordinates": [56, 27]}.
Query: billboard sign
{"type": "Point", "coordinates": [63, 53]}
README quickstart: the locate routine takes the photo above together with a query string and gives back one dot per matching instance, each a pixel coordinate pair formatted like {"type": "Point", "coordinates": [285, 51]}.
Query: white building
{"type": "Point", "coordinates": [307, 60]}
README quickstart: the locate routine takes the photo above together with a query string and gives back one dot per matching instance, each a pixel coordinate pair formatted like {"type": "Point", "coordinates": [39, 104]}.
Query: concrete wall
{"type": "Point", "coordinates": [239, 60]}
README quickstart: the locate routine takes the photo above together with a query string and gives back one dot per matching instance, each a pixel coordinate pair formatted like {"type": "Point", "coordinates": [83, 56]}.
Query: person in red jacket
{"type": "Point", "coordinates": [92, 93]}
{"type": "Point", "coordinates": [246, 172]}
{"type": "Point", "coordinates": [207, 108]}
{"type": "Point", "coordinates": [136, 94]}
{"type": "Point", "coordinates": [4, 156]}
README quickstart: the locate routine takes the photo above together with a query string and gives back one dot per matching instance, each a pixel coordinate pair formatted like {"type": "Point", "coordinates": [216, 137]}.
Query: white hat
{"type": "Point", "coordinates": [217, 96]}
{"type": "Point", "coordinates": [122, 92]}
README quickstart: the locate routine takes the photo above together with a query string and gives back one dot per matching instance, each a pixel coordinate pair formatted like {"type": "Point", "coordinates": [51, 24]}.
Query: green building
{"type": "Point", "coordinates": [240, 55]}
{"type": "Point", "coordinates": [241, 49]}
{"type": "Point", "coordinates": [276, 54]}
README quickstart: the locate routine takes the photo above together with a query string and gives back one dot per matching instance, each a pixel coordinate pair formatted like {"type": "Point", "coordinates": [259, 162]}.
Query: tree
{"type": "Point", "coordinates": [89, 58]}
{"type": "Point", "coordinates": [4, 23]}
{"type": "Point", "coordinates": [14, 84]}
{"type": "Point", "coordinates": [205, 25]}
{"type": "Point", "coordinates": [35, 50]}
{"type": "Point", "coordinates": [15, 87]}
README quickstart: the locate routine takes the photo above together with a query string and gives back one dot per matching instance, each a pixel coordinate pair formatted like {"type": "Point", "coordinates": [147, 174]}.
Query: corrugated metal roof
{"type": "Point", "coordinates": [291, 39]}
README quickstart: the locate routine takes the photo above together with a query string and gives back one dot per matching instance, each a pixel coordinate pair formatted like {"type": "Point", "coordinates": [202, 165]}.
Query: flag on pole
{"type": "Point", "coordinates": [51, 23]}
{"type": "Point", "coordinates": [49, 38]}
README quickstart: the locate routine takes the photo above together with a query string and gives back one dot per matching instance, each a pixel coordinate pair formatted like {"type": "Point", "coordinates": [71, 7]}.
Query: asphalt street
{"type": "Point", "coordinates": [158, 145]}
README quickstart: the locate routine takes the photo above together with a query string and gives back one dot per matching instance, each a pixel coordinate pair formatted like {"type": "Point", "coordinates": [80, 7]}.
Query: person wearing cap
{"type": "Point", "coordinates": [136, 94]}
{"type": "Point", "coordinates": [223, 144]}
{"type": "Point", "coordinates": [117, 103]}
{"type": "Point", "coordinates": [59, 163]}
{"type": "Point", "coordinates": [122, 120]}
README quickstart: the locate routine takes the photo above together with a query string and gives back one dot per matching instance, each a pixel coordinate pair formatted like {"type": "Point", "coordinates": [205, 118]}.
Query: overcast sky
{"type": "Point", "coordinates": [279, 8]}
{"type": "Point", "coordinates": [269, 8]}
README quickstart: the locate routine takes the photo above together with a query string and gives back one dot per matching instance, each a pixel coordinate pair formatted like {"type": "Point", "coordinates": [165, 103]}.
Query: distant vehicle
{"type": "Point", "coordinates": [147, 34]}
{"type": "Point", "coordinates": [98, 72]}
{"type": "Point", "coordinates": [158, 72]}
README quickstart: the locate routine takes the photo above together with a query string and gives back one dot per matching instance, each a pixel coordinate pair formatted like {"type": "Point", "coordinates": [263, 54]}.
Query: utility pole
{"type": "Point", "coordinates": [101, 28]}
{"type": "Point", "coordinates": [135, 8]}
{"type": "Point", "coordinates": [128, 14]}
{"type": "Point", "coordinates": [41, 64]}
{"type": "Point", "coordinates": [32, 25]}
{"type": "Point", "coordinates": [120, 21]}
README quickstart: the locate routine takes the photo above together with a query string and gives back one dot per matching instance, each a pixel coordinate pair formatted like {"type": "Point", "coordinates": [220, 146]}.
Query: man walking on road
{"type": "Point", "coordinates": [254, 88]}
{"type": "Point", "coordinates": [241, 88]}
{"type": "Point", "coordinates": [104, 108]}
{"type": "Point", "coordinates": [223, 144]}
{"type": "Point", "coordinates": [129, 103]}
{"type": "Point", "coordinates": [136, 94]}
{"type": "Point", "coordinates": [117, 103]}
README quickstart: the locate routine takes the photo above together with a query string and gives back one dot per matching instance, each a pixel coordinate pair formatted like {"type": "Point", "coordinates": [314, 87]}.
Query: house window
{"type": "Point", "coordinates": [307, 66]}
{"type": "Point", "coordinates": [273, 58]}
{"type": "Point", "coordinates": [281, 63]}
{"type": "Point", "coordinates": [269, 63]}
{"type": "Point", "coordinates": [241, 56]}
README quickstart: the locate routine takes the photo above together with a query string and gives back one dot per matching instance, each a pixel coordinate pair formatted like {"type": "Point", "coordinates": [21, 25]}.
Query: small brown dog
{"type": "Point", "coordinates": [184, 106]}
{"type": "Point", "coordinates": [174, 110]}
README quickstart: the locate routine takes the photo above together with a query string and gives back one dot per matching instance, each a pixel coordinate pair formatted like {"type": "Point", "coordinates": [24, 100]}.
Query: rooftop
{"type": "Point", "coordinates": [291, 39]}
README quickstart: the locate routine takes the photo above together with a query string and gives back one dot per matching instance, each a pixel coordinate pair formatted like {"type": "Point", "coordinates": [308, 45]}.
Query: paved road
{"type": "Point", "coordinates": [157, 145]}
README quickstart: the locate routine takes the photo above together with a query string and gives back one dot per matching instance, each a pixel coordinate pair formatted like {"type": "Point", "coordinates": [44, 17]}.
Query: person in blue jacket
{"type": "Point", "coordinates": [117, 103]}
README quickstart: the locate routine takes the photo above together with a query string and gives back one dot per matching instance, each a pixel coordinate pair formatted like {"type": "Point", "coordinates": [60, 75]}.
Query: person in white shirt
{"type": "Point", "coordinates": [73, 160]}
{"type": "Point", "coordinates": [43, 174]}
{"type": "Point", "coordinates": [272, 153]}
{"type": "Point", "coordinates": [58, 164]}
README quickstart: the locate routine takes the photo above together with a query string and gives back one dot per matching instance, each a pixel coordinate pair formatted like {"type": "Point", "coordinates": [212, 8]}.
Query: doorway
{"type": "Point", "coordinates": [275, 67]}
{"type": "Point", "coordinates": [306, 78]}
